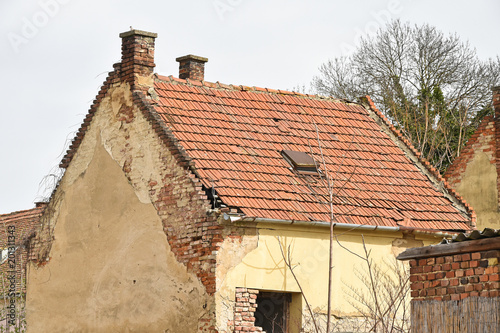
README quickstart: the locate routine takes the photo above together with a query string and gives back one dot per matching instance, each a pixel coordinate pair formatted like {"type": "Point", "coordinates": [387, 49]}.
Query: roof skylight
{"type": "Point", "coordinates": [300, 161]}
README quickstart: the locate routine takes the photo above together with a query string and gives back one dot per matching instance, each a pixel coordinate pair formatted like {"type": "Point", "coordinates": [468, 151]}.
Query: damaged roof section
{"type": "Point", "coordinates": [230, 133]}
{"type": "Point", "coordinates": [475, 241]}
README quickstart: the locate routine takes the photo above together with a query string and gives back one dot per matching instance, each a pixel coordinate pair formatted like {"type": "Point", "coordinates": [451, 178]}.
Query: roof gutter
{"type": "Point", "coordinates": [352, 227]}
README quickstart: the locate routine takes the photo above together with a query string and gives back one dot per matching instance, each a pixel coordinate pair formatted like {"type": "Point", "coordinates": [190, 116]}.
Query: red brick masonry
{"type": "Point", "coordinates": [244, 311]}
{"type": "Point", "coordinates": [456, 277]}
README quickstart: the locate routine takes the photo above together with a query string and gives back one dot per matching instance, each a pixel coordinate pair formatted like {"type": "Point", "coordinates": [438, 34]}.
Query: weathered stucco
{"type": "Point", "coordinates": [479, 186]}
{"type": "Point", "coordinates": [474, 174]}
{"type": "Point", "coordinates": [263, 267]}
{"type": "Point", "coordinates": [231, 252]}
{"type": "Point", "coordinates": [111, 268]}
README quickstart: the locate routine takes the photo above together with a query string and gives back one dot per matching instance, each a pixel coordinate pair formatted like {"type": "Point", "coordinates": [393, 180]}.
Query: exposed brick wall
{"type": "Point", "coordinates": [21, 227]}
{"type": "Point", "coordinates": [455, 277]}
{"type": "Point", "coordinates": [193, 234]}
{"type": "Point", "coordinates": [244, 310]}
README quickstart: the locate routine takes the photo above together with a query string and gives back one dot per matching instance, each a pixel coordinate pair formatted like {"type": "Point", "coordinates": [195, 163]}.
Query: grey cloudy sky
{"type": "Point", "coordinates": [56, 53]}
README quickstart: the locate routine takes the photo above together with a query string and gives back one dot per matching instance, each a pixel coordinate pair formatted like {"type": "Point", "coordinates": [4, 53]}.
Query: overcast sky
{"type": "Point", "coordinates": [56, 53]}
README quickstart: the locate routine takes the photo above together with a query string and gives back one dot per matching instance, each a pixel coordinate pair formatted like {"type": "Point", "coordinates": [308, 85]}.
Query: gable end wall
{"type": "Point", "coordinates": [474, 174]}
{"type": "Point", "coordinates": [125, 126]}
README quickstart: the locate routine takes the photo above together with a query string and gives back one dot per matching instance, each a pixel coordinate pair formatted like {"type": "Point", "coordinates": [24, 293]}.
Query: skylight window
{"type": "Point", "coordinates": [300, 161]}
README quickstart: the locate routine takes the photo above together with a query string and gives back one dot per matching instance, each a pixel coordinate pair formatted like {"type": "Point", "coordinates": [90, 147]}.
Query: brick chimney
{"type": "Point", "coordinates": [138, 53]}
{"type": "Point", "coordinates": [192, 67]}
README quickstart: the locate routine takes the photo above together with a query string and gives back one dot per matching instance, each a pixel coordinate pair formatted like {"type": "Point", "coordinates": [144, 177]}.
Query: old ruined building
{"type": "Point", "coordinates": [475, 174]}
{"type": "Point", "coordinates": [179, 196]}
{"type": "Point", "coordinates": [16, 231]}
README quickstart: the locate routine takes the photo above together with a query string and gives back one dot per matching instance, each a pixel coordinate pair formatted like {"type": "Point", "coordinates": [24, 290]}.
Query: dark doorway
{"type": "Point", "coordinates": [272, 312]}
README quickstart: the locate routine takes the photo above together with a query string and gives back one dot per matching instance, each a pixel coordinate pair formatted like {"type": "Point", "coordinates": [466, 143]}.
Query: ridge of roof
{"type": "Point", "coordinates": [422, 160]}
{"type": "Point", "coordinates": [233, 87]}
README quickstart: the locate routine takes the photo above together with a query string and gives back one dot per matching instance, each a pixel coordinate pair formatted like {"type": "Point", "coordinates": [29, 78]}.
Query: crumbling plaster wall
{"type": "Point", "coordinates": [479, 187]}
{"type": "Point", "coordinates": [231, 253]}
{"type": "Point", "coordinates": [111, 266]}
{"type": "Point", "coordinates": [256, 262]}
{"type": "Point", "coordinates": [474, 175]}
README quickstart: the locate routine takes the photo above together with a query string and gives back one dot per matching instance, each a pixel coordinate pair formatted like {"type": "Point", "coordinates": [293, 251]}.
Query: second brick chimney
{"type": "Point", "coordinates": [138, 58]}
{"type": "Point", "coordinates": [192, 67]}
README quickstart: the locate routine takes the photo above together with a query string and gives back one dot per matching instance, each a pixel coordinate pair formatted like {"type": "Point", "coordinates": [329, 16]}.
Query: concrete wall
{"type": "Point", "coordinates": [111, 267]}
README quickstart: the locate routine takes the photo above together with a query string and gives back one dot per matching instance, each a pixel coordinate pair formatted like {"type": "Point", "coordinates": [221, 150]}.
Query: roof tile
{"type": "Point", "coordinates": [235, 134]}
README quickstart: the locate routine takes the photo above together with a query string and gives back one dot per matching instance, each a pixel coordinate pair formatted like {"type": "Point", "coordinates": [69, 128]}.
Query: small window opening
{"type": "Point", "coordinates": [300, 161]}
{"type": "Point", "coordinates": [273, 311]}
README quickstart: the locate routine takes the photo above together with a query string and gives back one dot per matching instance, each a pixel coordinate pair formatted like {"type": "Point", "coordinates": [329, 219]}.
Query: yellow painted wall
{"type": "Point", "coordinates": [479, 188]}
{"type": "Point", "coordinates": [263, 267]}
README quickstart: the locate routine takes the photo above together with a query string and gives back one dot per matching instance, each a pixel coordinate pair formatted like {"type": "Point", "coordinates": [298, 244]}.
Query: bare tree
{"type": "Point", "coordinates": [388, 291]}
{"type": "Point", "coordinates": [382, 296]}
{"type": "Point", "coordinates": [433, 87]}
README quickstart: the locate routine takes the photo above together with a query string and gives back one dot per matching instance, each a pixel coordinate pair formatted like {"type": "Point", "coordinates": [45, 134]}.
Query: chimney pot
{"type": "Point", "coordinates": [192, 67]}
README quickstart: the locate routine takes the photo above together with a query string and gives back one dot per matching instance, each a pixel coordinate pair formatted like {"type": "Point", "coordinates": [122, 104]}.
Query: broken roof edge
{"type": "Point", "coordinates": [232, 87]}
{"type": "Point", "coordinates": [439, 182]}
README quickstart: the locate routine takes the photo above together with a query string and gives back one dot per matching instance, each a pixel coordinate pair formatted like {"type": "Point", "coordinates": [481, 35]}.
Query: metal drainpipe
{"type": "Point", "coordinates": [323, 224]}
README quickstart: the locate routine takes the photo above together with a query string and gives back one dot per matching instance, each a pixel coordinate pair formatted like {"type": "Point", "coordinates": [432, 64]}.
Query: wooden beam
{"type": "Point", "coordinates": [440, 250]}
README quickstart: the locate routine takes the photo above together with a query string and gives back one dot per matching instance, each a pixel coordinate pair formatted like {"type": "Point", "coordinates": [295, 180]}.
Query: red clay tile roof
{"type": "Point", "coordinates": [235, 134]}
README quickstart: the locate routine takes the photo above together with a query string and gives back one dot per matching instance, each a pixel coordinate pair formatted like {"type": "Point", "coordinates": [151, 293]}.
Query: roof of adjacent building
{"type": "Point", "coordinates": [473, 235]}
{"type": "Point", "coordinates": [236, 134]}
{"type": "Point", "coordinates": [25, 223]}
{"type": "Point", "coordinates": [475, 241]}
